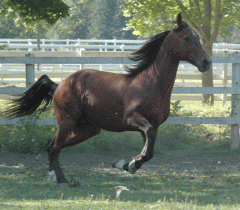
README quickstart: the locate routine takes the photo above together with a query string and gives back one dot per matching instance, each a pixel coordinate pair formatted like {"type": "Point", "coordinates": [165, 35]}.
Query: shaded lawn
{"type": "Point", "coordinates": [172, 184]}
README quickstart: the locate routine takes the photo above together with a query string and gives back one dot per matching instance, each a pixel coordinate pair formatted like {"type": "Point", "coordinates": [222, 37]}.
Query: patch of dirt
{"type": "Point", "coordinates": [169, 162]}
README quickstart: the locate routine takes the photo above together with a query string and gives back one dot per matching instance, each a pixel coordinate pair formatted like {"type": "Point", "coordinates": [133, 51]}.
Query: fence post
{"type": "Point", "coordinates": [43, 43]}
{"type": "Point", "coordinates": [29, 44]}
{"type": "Point", "coordinates": [235, 104]}
{"type": "Point", "coordinates": [225, 75]}
{"type": "Point", "coordinates": [67, 45]}
{"type": "Point", "coordinates": [81, 54]}
{"type": "Point", "coordinates": [30, 73]}
{"type": "Point", "coordinates": [115, 44]}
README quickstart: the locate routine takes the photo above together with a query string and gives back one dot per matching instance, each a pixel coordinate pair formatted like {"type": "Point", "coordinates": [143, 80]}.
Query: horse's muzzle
{"type": "Point", "coordinates": [204, 64]}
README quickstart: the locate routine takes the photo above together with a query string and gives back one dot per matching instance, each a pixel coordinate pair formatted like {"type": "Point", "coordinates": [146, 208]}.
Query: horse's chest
{"type": "Point", "coordinates": [155, 113]}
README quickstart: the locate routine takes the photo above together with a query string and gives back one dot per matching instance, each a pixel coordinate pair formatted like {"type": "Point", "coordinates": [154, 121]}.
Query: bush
{"type": "Point", "coordinates": [172, 137]}
{"type": "Point", "coordinates": [175, 108]}
{"type": "Point", "coordinates": [4, 136]}
{"type": "Point", "coordinates": [28, 137]}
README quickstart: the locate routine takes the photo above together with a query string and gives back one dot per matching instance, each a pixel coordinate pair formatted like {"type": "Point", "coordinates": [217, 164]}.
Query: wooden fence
{"type": "Point", "coordinates": [234, 120]}
{"type": "Point", "coordinates": [15, 73]}
{"type": "Point", "coordinates": [90, 44]}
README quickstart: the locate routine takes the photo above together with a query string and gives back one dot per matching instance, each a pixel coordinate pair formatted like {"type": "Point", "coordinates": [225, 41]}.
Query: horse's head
{"type": "Point", "coordinates": [187, 47]}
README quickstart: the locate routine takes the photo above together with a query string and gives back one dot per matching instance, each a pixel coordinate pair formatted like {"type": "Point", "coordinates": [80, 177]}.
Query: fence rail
{"type": "Point", "coordinates": [89, 44]}
{"type": "Point", "coordinates": [187, 73]}
{"type": "Point", "coordinates": [234, 120]}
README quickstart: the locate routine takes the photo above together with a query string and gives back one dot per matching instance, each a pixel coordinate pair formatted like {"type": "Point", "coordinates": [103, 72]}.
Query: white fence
{"type": "Point", "coordinates": [71, 47]}
{"type": "Point", "coordinates": [234, 120]}
{"type": "Point", "coordinates": [188, 75]}
{"type": "Point", "coordinates": [71, 44]}
{"type": "Point", "coordinates": [91, 45]}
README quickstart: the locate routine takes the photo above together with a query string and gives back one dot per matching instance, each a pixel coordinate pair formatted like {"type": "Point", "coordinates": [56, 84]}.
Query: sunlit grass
{"type": "Point", "coordinates": [21, 188]}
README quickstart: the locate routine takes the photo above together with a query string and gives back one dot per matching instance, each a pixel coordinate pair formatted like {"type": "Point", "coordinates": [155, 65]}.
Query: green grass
{"type": "Point", "coordinates": [22, 188]}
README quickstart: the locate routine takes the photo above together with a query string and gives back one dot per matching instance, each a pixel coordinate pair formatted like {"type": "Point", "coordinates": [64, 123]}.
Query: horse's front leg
{"type": "Point", "coordinates": [149, 133]}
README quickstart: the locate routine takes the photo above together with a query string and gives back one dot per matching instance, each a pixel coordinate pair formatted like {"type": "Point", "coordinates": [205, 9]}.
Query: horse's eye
{"type": "Point", "coordinates": [186, 38]}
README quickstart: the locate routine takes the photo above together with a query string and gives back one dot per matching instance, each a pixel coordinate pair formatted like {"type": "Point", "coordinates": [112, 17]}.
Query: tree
{"type": "Point", "coordinates": [101, 19]}
{"type": "Point", "coordinates": [119, 22]}
{"type": "Point", "coordinates": [34, 13]}
{"type": "Point", "coordinates": [98, 15]}
{"type": "Point", "coordinates": [106, 19]}
{"type": "Point", "coordinates": [233, 37]}
{"type": "Point", "coordinates": [208, 17]}
{"type": "Point", "coordinates": [74, 26]}
{"type": "Point", "coordinates": [8, 29]}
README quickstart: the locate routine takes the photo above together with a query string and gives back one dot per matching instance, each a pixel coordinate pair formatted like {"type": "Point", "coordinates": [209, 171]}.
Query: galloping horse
{"type": "Point", "coordinates": [90, 100]}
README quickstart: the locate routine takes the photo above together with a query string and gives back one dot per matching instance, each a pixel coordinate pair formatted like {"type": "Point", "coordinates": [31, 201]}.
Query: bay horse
{"type": "Point", "coordinates": [90, 100]}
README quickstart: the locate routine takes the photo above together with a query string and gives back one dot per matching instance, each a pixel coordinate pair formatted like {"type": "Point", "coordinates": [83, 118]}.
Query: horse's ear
{"type": "Point", "coordinates": [179, 19]}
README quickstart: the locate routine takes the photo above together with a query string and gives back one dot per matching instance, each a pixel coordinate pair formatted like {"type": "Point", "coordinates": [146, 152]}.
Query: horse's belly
{"type": "Point", "coordinates": [106, 121]}
{"type": "Point", "coordinates": [107, 115]}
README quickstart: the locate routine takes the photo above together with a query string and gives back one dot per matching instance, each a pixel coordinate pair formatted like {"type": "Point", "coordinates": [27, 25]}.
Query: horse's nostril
{"type": "Point", "coordinates": [207, 61]}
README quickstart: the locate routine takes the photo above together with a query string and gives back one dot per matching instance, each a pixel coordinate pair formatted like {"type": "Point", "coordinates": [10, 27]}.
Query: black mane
{"type": "Point", "coordinates": [146, 55]}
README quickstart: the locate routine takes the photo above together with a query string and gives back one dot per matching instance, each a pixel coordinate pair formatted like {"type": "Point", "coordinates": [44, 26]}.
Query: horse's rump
{"type": "Point", "coordinates": [99, 97]}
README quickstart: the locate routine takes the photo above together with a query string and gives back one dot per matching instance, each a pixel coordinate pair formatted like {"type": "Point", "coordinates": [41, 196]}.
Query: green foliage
{"type": "Point", "coordinates": [100, 19]}
{"type": "Point", "coordinates": [31, 11]}
{"type": "Point", "coordinates": [4, 47]}
{"type": "Point", "coordinates": [98, 15]}
{"type": "Point", "coordinates": [148, 17]}
{"type": "Point", "coordinates": [174, 137]}
{"type": "Point", "coordinates": [4, 136]}
{"type": "Point", "coordinates": [175, 107]}
{"type": "Point", "coordinates": [28, 137]}
{"type": "Point", "coordinates": [107, 20]}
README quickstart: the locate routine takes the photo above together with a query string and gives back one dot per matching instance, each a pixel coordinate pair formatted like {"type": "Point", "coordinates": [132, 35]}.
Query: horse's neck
{"type": "Point", "coordinates": [165, 69]}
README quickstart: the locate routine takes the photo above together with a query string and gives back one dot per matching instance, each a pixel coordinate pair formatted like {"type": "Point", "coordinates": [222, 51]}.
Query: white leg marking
{"type": "Point", "coordinates": [52, 176]}
{"type": "Point", "coordinates": [131, 167]}
{"type": "Point", "coordinates": [119, 164]}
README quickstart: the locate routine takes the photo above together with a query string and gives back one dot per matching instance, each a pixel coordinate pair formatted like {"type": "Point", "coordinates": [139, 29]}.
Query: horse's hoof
{"type": "Point", "coordinates": [118, 164]}
{"type": "Point", "coordinates": [63, 185]}
{"type": "Point", "coordinates": [132, 167]}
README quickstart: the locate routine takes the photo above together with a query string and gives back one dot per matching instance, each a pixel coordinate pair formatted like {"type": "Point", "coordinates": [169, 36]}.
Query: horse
{"type": "Point", "coordinates": [88, 100]}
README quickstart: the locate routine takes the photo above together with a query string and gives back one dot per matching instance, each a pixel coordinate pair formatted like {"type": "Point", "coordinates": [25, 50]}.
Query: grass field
{"type": "Point", "coordinates": [193, 168]}
{"type": "Point", "coordinates": [204, 185]}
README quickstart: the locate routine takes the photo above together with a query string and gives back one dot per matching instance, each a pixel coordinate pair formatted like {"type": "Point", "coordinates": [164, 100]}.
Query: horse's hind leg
{"type": "Point", "coordinates": [51, 175]}
{"type": "Point", "coordinates": [80, 133]}
{"type": "Point", "coordinates": [149, 133]}
{"type": "Point", "coordinates": [54, 149]}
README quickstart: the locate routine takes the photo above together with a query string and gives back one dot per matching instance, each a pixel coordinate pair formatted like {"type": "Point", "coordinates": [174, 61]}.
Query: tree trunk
{"type": "Point", "coordinates": [207, 77]}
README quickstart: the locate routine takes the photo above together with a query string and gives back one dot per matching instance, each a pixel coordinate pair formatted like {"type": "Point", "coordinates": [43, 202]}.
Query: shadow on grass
{"type": "Point", "coordinates": [200, 186]}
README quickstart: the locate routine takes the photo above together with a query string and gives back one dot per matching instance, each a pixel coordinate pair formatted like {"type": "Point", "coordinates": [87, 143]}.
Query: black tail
{"type": "Point", "coordinates": [37, 99]}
